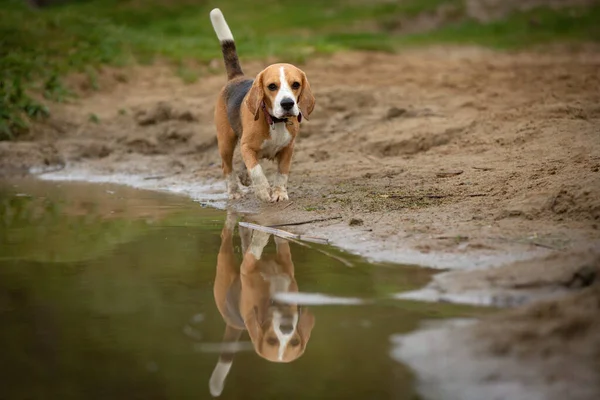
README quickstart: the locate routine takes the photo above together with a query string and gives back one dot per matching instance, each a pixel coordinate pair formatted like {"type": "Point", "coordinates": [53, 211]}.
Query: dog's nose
{"type": "Point", "coordinates": [287, 104]}
{"type": "Point", "coordinates": [286, 328]}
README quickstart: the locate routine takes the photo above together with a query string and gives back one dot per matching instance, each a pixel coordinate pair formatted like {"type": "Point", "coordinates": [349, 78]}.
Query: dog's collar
{"type": "Point", "coordinates": [271, 120]}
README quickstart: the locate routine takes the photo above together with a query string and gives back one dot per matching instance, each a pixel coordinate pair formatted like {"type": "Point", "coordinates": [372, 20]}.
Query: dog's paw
{"type": "Point", "coordinates": [260, 238]}
{"type": "Point", "coordinates": [258, 242]}
{"type": "Point", "coordinates": [262, 193]}
{"type": "Point", "coordinates": [279, 194]}
{"type": "Point", "coordinates": [244, 177]}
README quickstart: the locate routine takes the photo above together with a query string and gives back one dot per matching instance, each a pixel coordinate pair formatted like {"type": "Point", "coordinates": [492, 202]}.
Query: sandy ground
{"type": "Point", "coordinates": [546, 351]}
{"type": "Point", "coordinates": [455, 158]}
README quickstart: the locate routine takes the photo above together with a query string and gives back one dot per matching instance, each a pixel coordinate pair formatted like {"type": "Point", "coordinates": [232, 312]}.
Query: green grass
{"type": "Point", "coordinates": [520, 30]}
{"type": "Point", "coordinates": [41, 46]}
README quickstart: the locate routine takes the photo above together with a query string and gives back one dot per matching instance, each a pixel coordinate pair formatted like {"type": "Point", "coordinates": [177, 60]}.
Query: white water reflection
{"type": "Point", "coordinates": [210, 193]}
{"type": "Point", "coordinates": [505, 298]}
{"type": "Point", "coordinates": [228, 347]}
{"type": "Point", "coordinates": [317, 299]}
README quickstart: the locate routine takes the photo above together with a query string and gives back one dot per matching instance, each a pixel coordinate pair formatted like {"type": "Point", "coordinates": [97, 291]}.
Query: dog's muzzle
{"type": "Point", "coordinates": [287, 104]}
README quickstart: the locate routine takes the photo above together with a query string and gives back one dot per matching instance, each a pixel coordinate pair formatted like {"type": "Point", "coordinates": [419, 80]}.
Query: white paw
{"type": "Point", "coordinates": [260, 238]}
{"type": "Point", "coordinates": [259, 241]}
{"type": "Point", "coordinates": [262, 193]}
{"type": "Point", "coordinates": [279, 194]}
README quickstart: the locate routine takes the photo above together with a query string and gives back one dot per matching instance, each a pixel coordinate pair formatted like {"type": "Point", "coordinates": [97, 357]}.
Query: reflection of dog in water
{"type": "Point", "coordinates": [244, 297]}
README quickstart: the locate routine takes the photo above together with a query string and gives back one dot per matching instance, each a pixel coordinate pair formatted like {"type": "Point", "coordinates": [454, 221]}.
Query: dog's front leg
{"type": "Point", "coordinates": [284, 255]}
{"type": "Point", "coordinates": [259, 180]}
{"type": "Point", "coordinates": [254, 253]}
{"type": "Point", "coordinates": [284, 160]}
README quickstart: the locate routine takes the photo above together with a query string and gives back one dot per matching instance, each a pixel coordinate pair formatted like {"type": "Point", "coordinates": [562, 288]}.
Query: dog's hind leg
{"type": "Point", "coordinates": [227, 141]}
{"type": "Point", "coordinates": [226, 264]}
{"type": "Point", "coordinates": [226, 149]}
{"type": "Point", "coordinates": [284, 255]}
{"type": "Point", "coordinates": [244, 175]}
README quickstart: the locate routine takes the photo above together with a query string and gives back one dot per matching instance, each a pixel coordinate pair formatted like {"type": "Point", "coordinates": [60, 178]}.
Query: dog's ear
{"type": "Point", "coordinates": [255, 96]}
{"type": "Point", "coordinates": [306, 100]}
{"type": "Point", "coordinates": [306, 322]}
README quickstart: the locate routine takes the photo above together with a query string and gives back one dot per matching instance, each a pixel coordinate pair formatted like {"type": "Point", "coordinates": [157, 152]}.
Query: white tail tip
{"type": "Point", "coordinates": [220, 25]}
{"type": "Point", "coordinates": [217, 379]}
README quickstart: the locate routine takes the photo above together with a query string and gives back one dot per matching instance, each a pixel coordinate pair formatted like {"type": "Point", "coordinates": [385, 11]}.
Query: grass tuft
{"type": "Point", "coordinates": [17, 109]}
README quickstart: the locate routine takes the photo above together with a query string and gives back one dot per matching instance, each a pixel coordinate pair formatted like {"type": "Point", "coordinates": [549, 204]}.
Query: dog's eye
{"type": "Point", "coordinates": [296, 85]}
{"type": "Point", "coordinates": [272, 87]}
{"type": "Point", "coordinates": [294, 342]}
{"type": "Point", "coordinates": [272, 341]}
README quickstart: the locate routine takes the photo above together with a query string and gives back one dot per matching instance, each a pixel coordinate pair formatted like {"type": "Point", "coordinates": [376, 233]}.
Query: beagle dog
{"type": "Point", "coordinates": [279, 332]}
{"type": "Point", "coordinates": [264, 114]}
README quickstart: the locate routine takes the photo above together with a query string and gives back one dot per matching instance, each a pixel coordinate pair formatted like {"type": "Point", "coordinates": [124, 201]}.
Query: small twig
{"type": "Point", "coordinates": [157, 177]}
{"type": "Point", "coordinates": [51, 170]}
{"type": "Point", "coordinates": [457, 237]}
{"type": "Point", "coordinates": [328, 254]}
{"type": "Point", "coordinates": [314, 239]}
{"type": "Point", "coordinates": [428, 196]}
{"type": "Point", "coordinates": [484, 168]}
{"type": "Point", "coordinates": [301, 243]}
{"type": "Point", "coordinates": [545, 246]}
{"type": "Point", "coordinates": [283, 234]}
{"type": "Point", "coordinates": [337, 258]}
{"type": "Point", "coordinates": [304, 222]}
{"type": "Point", "coordinates": [287, 205]}
{"type": "Point", "coordinates": [273, 231]}
{"type": "Point", "coordinates": [446, 174]}
{"type": "Point", "coordinates": [531, 242]}
{"type": "Point", "coordinates": [425, 196]}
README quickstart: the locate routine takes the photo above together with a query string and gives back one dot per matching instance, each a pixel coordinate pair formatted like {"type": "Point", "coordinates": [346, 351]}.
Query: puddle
{"type": "Point", "coordinates": [112, 292]}
{"type": "Point", "coordinates": [209, 193]}
{"type": "Point", "coordinates": [376, 249]}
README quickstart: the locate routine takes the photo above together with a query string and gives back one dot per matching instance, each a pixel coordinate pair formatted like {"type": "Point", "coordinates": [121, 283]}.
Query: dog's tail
{"type": "Point", "coordinates": [232, 63]}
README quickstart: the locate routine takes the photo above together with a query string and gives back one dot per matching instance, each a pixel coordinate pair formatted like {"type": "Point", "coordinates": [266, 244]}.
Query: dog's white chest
{"type": "Point", "coordinates": [280, 137]}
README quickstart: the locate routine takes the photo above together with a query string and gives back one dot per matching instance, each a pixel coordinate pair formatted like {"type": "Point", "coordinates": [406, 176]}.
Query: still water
{"type": "Point", "coordinates": [107, 292]}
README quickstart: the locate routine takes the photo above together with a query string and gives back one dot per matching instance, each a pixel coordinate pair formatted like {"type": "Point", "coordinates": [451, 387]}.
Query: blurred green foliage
{"type": "Point", "coordinates": [39, 46]}
{"type": "Point", "coordinates": [16, 108]}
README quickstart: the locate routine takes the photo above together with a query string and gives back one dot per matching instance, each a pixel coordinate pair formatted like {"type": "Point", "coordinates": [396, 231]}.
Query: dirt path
{"type": "Point", "coordinates": [455, 158]}
{"type": "Point", "coordinates": [434, 153]}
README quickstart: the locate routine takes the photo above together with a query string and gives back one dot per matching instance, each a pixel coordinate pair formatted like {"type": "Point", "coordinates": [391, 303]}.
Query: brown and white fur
{"type": "Point", "coordinates": [244, 296]}
{"type": "Point", "coordinates": [263, 114]}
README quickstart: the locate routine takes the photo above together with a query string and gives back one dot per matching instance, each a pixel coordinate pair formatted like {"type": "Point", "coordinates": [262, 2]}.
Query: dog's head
{"type": "Point", "coordinates": [281, 334]}
{"type": "Point", "coordinates": [284, 90]}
